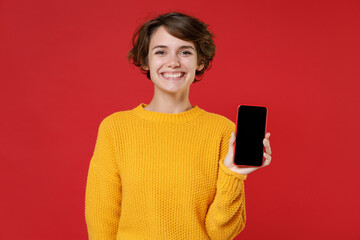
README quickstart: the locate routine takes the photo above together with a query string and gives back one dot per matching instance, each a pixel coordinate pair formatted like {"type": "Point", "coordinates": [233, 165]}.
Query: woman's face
{"type": "Point", "coordinates": [172, 62]}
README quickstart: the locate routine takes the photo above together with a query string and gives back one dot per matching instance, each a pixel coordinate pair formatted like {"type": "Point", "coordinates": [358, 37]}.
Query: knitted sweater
{"type": "Point", "coordinates": [161, 176]}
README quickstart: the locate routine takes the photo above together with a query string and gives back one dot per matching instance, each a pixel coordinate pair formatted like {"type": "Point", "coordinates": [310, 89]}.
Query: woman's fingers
{"type": "Point", "coordinates": [266, 143]}
{"type": "Point", "coordinates": [267, 153]}
{"type": "Point", "coordinates": [267, 159]}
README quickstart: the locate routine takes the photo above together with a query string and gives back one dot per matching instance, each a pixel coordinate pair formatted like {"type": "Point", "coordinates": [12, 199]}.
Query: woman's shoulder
{"type": "Point", "coordinates": [117, 118]}
{"type": "Point", "coordinates": [217, 119]}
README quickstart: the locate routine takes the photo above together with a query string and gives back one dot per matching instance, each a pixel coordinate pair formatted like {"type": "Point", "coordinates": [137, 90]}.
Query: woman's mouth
{"type": "Point", "coordinates": [173, 76]}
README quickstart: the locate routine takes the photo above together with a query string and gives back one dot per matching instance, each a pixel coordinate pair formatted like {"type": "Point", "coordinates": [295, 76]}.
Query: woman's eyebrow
{"type": "Point", "coordinates": [182, 47]}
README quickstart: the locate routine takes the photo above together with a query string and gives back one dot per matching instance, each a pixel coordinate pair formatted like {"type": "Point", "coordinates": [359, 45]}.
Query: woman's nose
{"type": "Point", "coordinates": [173, 61]}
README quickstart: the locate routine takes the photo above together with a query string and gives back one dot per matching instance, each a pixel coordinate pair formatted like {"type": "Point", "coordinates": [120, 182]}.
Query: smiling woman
{"type": "Point", "coordinates": [172, 62]}
{"type": "Point", "coordinates": [180, 26]}
{"type": "Point", "coordinates": [172, 50]}
{"type": "Point", "coordinates": [161, 170]}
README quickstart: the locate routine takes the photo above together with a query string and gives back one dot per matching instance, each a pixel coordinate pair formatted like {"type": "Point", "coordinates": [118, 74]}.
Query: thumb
{"type": "Point", "coordinates": [228, 161]}
{"type": "Point", "coordinates": [232, 138]}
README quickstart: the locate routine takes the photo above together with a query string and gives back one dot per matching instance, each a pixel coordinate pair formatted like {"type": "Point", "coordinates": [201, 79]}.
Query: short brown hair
{"type": "Point", "coordinates": [181, 26]}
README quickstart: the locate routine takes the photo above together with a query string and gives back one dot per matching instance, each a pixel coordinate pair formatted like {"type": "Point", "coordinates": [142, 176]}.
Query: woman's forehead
{"type": "Point", "coordinates": [161, 37]}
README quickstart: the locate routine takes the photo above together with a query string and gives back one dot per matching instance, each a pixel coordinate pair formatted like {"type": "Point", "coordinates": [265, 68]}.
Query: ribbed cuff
{"type": "Point", "coordinates": [229, 180]}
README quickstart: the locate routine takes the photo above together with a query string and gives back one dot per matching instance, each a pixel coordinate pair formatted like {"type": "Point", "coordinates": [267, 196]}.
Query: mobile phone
{"type": "Point", "coordinates": [250, 133]}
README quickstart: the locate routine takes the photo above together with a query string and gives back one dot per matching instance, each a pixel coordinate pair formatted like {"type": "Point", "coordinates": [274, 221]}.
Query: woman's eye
{"type": "Point", "coordinates": [186, 53]}
{"type": "Point", "coordinates": [160, 52]}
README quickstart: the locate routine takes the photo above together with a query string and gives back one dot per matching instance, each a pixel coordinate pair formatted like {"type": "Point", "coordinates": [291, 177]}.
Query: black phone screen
{"type": "Point", "coordinates": [250, 132]}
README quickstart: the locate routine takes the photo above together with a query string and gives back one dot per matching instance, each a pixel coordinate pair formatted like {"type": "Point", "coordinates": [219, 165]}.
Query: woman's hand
{"type": "Point", "coordinates": [228, 161]}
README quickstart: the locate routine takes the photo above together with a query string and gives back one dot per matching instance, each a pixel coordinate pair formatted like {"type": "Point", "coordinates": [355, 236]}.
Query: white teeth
{"type": "Point", "coordinates": [173, 75]}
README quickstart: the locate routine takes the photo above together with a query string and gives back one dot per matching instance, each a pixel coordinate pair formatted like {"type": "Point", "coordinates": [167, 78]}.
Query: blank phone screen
{"type": "Point", "coordinates": [251, 123]}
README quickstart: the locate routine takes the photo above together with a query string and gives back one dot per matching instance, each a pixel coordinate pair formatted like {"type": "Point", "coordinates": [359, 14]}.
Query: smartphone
{"type": "Point", "coordinates": [250, 133]}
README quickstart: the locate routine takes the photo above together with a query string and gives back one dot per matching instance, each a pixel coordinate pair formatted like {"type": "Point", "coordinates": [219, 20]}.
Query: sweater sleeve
{"type": "Point", "coordinates": [226, 216]}
{"type": "Point", "coordinates": [103, 188]}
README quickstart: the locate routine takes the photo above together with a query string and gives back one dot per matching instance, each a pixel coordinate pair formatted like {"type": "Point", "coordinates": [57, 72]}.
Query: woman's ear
{"type": "Point", "coordinates": [146, 68]}
{"type": "Point", "coordinates": [200, 67]}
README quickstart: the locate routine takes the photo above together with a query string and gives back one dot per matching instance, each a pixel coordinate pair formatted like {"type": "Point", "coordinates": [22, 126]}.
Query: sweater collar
{"type": "Point", "coordinates": [167, 117]}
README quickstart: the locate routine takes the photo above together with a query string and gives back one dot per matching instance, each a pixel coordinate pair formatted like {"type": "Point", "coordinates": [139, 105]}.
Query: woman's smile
{"type": "Point", "coordinates": [173, 76]}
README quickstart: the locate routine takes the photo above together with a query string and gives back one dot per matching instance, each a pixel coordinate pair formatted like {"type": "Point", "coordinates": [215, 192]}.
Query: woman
{"type": "Point", "coordinates": [164, 170]}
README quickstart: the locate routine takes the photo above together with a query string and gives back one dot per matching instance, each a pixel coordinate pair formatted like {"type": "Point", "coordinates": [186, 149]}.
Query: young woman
{"type": "Point", "coordinates": [164, 170]}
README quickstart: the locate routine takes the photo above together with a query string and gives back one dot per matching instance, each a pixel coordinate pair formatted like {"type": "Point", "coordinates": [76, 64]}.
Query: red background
{"type": "Point", "coordinates": [64, 68]}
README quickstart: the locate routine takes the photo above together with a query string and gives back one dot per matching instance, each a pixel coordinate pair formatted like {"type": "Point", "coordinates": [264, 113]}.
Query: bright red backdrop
{"type": "Point", "coordinates": [64, 69]}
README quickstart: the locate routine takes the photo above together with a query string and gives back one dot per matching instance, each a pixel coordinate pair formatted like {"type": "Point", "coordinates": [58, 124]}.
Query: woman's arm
{"type": "Point", "coordinates": [226, 216]}
{"type": "Point", "coordinates": [103, 188]}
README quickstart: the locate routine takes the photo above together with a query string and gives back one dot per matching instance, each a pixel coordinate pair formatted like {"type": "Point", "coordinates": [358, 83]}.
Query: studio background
{"type": "Point", "coordinates": [64, 69]}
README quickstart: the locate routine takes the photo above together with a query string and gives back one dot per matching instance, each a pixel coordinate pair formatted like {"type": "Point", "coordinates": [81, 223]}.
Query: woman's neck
{"type": "Point", "coordinates": [168, 107]}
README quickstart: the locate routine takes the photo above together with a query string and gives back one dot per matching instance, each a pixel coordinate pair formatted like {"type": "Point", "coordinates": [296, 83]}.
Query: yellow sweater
{"type": "Point", "coordinates": [161, 176]}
